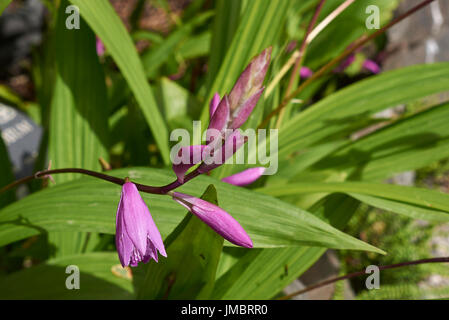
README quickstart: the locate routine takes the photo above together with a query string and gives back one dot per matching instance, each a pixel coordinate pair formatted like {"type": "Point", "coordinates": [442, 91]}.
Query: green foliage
{"type": "Point", "coordinates": [269, 221]}
{"type": "Point", "coordinates": [334, 154]}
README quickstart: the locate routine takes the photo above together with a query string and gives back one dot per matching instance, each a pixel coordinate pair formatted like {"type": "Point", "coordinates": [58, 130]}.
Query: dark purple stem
{"type": "Point", "coordinates": [141, 187]}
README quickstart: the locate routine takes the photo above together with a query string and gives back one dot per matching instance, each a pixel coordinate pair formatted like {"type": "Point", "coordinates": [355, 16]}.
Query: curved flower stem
{"type": "Point", "coordinates": [359, 273]}
{"type": "Point", "coordinates": [359, 43]}
{"type": "Point", "coordinates": [141, 187]}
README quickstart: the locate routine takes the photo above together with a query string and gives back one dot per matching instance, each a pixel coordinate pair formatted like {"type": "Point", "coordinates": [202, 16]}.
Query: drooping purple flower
{"type": "Point", "coordinates": [245, 177]}
{"type": "Point", "coordinates": [216, 218]}
{"type": "Point", "coordinates": [372, 66]}
{"type": "Point", "coordinates": [305, 72]}
{"type": "Point", "coordinates": [100, 47]}
{"type": "Point", "coordinates": [190, 156]}
{"type": "Point", "coordinates": [137, 237]}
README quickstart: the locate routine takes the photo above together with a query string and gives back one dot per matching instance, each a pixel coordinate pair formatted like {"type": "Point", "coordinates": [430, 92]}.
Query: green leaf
{"type": "Point", "coordinates": [90, 205]}
{"type": "Point", "coordinates": [414, 202]}
{"type": "Point", "coordinates": [3, 5]}
{"type": "Point", "coordinates": [151, 36]}
{"type": "Point", "coordinates": [48, 281]}
{"type": "Point", "coordinates": [188, 272]}
{"type": "Point", "coordinates": [78, 134]}
{"type": "Point", "coordinates": [107, 25]}
{"type": "Point", "coordinates": [195, 47]}
{"type": "Point", "coordinates": [338, 114]}
{"type": "Point", "coordinates": [408, 144]}
{"type": "Point", "coordinates": [226, 21]}
{"type": "Point", "coordinates": [261, 273]}
{"type": "Point", "coordinates": [79, 110]}
{"type": "Point", "coordinates": [177, 103]}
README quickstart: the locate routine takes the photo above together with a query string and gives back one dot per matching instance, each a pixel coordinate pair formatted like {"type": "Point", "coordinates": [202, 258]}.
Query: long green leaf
{"type": "Point", "coordinates": [226, 21]}
{"type": "Point", "coordinates": [107, 25]}
{"type": "Point", "coordinates": [90, 205]}
{"type": "Point", "coordinates": [78, 133]}
{"type": "Point", "coordinates": [334, 116]}
{"type": "Point", "coordinates": [408, 144]}
{"type": "Point", "coordinates": [48, 281]}
{"type": "Point", "coordinates": [79, 110]}
{"type": "Point", "coordinates": [415, 202]}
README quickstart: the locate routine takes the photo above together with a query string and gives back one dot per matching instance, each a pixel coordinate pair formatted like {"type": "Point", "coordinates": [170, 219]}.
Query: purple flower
{"type": "Point", "coordinates": [137, 237]}
{"type": "Point", "coordinates": [305, 72]}
{"type": "Point", "coordinates": [370, 65]}
{"type": "Point", "coordinates": [216, 218]}
{"type": "Point", "coordinates": [245, 177]}
{"type": "Point", "coordinates": [100, 47]}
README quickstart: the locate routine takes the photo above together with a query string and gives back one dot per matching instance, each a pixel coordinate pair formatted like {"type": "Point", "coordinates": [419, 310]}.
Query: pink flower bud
{"type": "Point", "coordinates": [248, 88]}
{"type": "Point", "coordinates": [216, 218]}
{"type": "Point", "coordinates": [245, 177]}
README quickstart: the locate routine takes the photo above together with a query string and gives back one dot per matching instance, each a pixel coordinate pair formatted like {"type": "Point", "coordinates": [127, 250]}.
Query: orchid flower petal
{"type": "Point", "coordinates": [136, 231]}
{"type": "Point", "coordinates": [214, 104]}
{"type": "Point", "coordinates": [220, 118]}
{"type": "Point", "coordinates": [372, 66]}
